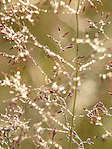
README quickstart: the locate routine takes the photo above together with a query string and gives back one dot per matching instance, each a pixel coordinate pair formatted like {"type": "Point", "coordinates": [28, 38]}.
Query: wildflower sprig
{"type": "Point", "coordinates": [54, 100]}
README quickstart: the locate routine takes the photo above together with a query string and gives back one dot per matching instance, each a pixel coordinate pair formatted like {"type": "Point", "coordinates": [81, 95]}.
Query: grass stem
{"type": "Point", "coordinates": [76, 83]}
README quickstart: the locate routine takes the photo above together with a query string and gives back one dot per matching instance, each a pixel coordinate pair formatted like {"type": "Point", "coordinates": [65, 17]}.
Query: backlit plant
{"type": "Point", "coordinates": [67, 65]}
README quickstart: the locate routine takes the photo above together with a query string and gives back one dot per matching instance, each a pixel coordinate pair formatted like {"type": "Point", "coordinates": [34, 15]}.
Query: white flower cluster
{"type": "Point", "coordinates": [21, 90]}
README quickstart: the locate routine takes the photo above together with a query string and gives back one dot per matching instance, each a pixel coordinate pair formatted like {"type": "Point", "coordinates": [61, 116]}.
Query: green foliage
{"type": "Point", "coordinates": [55, 65]}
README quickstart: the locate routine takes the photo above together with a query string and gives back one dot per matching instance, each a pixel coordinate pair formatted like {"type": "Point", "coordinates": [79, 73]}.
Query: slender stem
{"type": "Point", "coordinates": [76, 83]}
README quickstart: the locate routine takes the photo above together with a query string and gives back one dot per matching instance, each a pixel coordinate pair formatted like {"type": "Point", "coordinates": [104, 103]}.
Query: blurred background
{"type": "Point", "coordinates": [92, 88]}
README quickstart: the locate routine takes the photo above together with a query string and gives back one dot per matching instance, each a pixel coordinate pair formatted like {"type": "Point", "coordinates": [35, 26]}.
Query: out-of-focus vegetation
{"type": "Point", "coordinates": [38, 86]}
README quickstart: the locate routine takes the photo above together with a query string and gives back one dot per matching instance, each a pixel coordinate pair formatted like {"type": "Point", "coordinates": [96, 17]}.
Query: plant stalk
{"type": "Point", "coordinates": [76, 83]}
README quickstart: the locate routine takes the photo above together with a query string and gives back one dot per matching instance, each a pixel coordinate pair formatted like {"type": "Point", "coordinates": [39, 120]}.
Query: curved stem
{"type": "Point", "coordinates": [76, 83]}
